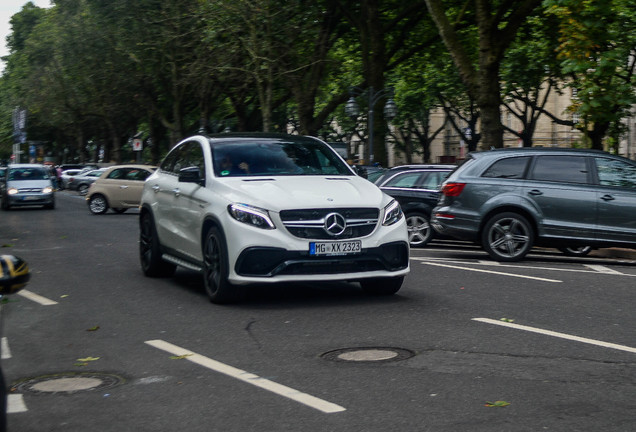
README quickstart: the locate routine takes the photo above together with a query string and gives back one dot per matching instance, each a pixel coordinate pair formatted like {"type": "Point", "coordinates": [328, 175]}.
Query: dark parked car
{"type": "Point", "coordinates": [511, 199]}
{"type": "Point", "coordinates": [416, 188]}
{"type": "Point", "coordinates": [81, 182]}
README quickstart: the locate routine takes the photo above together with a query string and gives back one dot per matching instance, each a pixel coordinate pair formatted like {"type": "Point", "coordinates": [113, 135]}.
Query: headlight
{"type": "Point", "coordinates": [392, 213]}
{"type": "Point", "coordinates": [47, 190]}
{"type": "Point", "coordinates": [254, 216]}
{"type": "Point", "coordinates": [12, 191]}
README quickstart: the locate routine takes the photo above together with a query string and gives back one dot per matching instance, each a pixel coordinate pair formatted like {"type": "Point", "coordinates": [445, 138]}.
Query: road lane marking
{"type": "Point", "coordinates": [557, 334]}
{"type": "Point", "coordinates": [491, 271]}
{"type": "Point", "coordinates": [602, 269]}
{"type": "Point", "coordinates": [4, 348]}
{"type": "Point", "coordinates": [36, 298]}
{"type": "Point", "coordinates": [15, 404]}
{"type": "Point", "coordinates": [596, 269]}
{"type": "Point", "coordinates": [288, 392]}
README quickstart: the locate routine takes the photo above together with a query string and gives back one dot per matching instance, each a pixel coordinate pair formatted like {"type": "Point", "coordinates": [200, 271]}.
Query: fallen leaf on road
{"type": "Point", "coordinates": [88, 359]}
{"type": "Point", "coordinates": [180, 357]}
{"type": "Point", "coordinates": [497, 404]}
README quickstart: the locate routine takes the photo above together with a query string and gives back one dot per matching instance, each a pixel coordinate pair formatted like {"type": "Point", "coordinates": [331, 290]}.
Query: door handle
{"type": "Point", "coordinates": [123, 187]}
{"type": "Point", "coordinates": [176, 192]}
{"type": "Point", "coordinates": [607, 197]}
{"type": "Point", "coordinates": [535, 192]}
{"type": "Point", "coordinates": [155, 188]}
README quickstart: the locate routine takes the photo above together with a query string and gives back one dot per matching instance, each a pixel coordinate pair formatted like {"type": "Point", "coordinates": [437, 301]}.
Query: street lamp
{"type": "Point", "coordinates": [353, 110]}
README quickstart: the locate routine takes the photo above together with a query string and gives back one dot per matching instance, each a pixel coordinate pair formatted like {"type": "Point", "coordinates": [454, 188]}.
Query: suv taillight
{"type": "Point", "coordinates": [453, 189]}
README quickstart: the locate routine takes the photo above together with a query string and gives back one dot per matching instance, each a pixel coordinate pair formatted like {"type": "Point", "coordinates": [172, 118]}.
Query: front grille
{"type": "Point", "coordinates": [270, 262]}
{"type": "Point", "coordinates": [309, 223]}
{"type": "Point", "coordinates": [29, 190]}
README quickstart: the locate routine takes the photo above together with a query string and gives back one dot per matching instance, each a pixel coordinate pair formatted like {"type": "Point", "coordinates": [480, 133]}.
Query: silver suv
{"type": "Point", "coordinates": [511, 199]}
{"type": "Point", "coordinates": [255, 208]}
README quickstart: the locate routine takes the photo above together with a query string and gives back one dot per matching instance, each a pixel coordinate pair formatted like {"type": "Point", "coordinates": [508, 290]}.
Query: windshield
{"type": "Point", "coordinates": [276, 158]}
{"type": "Point", "coordinates": [27, 174]}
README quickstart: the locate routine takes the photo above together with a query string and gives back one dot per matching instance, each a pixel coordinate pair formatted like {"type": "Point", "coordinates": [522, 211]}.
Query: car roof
{"type": "Point", "coordinates": [25, 165]}
{"type": "Point", "coordinates": [141, 166]}
{"type": "Point", "coordinates": [537, 150]}
{"type": "Point", "coordinates": [261, 136]}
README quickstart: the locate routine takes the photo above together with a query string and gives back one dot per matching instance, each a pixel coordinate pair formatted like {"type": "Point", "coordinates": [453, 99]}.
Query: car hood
{"type": "Point", "coordinates": [28, 184]}
{"type": "Point", "coordinates": [279, 193]}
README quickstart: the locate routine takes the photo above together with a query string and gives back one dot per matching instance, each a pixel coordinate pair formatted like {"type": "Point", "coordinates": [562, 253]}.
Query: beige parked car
{"type": "Point", "coordinates": [119, 188]}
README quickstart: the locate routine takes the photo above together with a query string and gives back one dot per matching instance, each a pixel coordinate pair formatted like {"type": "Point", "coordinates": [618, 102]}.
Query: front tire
{"type": "Point", "coordinates": [98, 204]}
{"type": "Point", "coordinates": [216, 270]}
{"type": "Point", "coordinates": [150, 250]}
{"type": "Point", "coordinates": [507, 237]}
{"type": "Point", "coordinates": [419, 229]}
{"type": "Point", "coordinates": [382, 286]}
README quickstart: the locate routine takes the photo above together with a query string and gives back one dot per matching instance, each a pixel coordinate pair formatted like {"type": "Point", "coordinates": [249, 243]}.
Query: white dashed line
{"type": "Point", "coordinates": [37, 298]}
{"type": "Point", "coordinates": [4, 348]}
{"type": "Point", "coordinates": [279, 389]}
{"type": "Point", "coordinates": [557, 334]}
{"type": "Point", "coordinates": [15, 404]}
{"type": "Point", "coordinates": [602, 269]}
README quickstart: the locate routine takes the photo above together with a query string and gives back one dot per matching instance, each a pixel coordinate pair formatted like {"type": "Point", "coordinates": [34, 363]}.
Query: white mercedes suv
{"type": "Point", "coordinates": [264, 208]}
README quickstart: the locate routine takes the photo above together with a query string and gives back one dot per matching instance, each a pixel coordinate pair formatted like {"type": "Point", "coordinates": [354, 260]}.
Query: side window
{"type": "Point", "coordinates": [434, 180]}
{"type": "Point", "coordinates": [168, 163]}
{"type": "Point", "coordinates": [137, 174]}
{"type": "Point", "coordinates": [119, 173]}
{"type": "Point", "coordinates": [510, 168]}
{"type": "Point", "coordinates": [617, 173]}
{"type": "Point", "coordinates": [564, 169]}
{"type": "Point", "coordinates": [186, 155]}
{"type": "Point", "coordinates": [406, 180]}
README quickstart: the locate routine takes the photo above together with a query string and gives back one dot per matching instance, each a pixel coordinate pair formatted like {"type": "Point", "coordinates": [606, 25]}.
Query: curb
{"type": "Point", "coordinates": [614, 253]}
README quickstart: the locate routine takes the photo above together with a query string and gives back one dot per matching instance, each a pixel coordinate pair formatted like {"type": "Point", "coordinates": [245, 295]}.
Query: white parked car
{"type": "Point", "coordinates": [257, 208]}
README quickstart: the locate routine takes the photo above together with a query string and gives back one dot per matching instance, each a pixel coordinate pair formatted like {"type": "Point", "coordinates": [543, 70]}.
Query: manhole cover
{"type": "Point", "coordinates": [370, 354]}
{"type": "Point", "coordinates": [71, 382]}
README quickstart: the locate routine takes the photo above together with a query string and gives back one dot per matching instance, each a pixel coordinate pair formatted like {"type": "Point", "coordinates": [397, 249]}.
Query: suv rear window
{"type": "Point", "coordinates": [514, 168]}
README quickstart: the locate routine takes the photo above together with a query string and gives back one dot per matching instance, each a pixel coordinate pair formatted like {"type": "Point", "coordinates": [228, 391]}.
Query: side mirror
{"type": "Point", "coordinates": [361, 171]}
{"type": "Point", "coordinates": [191, 175]}
{"type": "Point", "coordinates": [14, 274]}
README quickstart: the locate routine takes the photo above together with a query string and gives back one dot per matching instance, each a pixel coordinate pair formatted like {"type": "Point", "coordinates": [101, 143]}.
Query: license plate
{"type": "Point", "coordinates": [335, 248]}
{"type": "Point", "coordinates": [30, 198]}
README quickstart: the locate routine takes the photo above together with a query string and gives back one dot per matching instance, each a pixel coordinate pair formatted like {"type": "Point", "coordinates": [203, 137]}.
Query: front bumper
{"type": "Point", "coordinates": [30, 199]}
{"type": "Point", "coordinates": [270, 262]}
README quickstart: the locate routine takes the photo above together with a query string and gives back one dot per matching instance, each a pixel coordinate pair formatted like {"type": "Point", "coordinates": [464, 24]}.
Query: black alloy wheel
{"type": "Point", "coordinates": [150, 250]}
{"type": "Point", "coordinates": [216, 269]}
{"type": "Point", "coordinates": [507, 237]}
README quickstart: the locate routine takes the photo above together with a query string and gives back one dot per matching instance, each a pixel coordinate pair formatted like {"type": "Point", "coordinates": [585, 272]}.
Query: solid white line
{"type": "Point", "coordinates": [4, 348]}
{"type": "Point", "coordinates": [15, 404]}
{"type": "Point", "coordinates": [37, 298]}
{"type": "Point", "coordinates": [492, 272]}
{"type": "Point", "coordinates": [557, 334]}
{"type": "Point", "coordinates": [602, 269]}
{"type": "Point", "coordinates": [288, 392]}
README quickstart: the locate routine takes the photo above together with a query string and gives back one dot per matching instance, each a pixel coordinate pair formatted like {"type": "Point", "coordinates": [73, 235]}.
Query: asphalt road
{"type": "Point", "coordinates": [549, 343]}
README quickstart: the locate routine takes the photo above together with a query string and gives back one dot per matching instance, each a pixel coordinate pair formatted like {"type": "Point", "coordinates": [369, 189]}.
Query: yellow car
{"type": "Point", "coordinates": [119, 188]}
